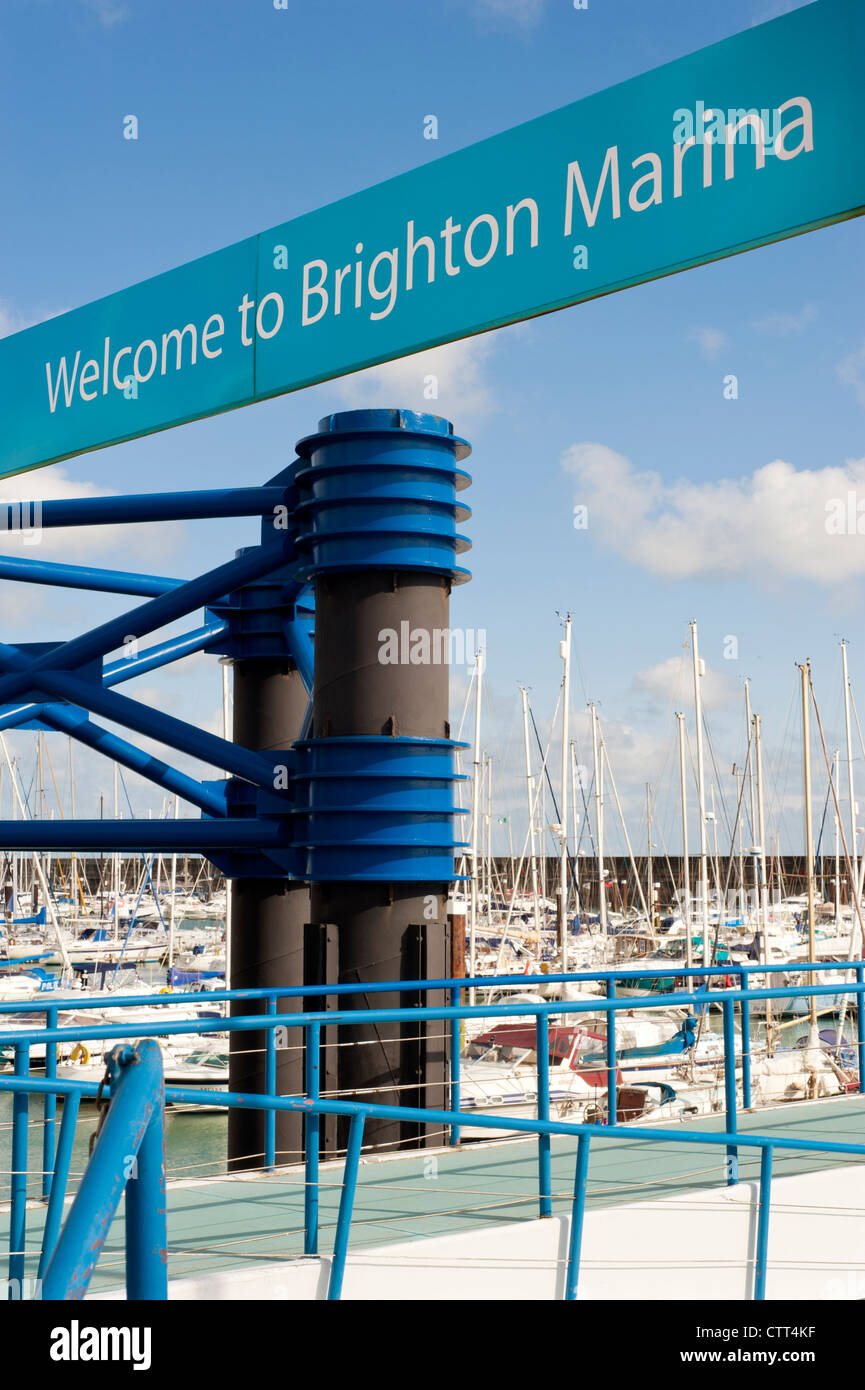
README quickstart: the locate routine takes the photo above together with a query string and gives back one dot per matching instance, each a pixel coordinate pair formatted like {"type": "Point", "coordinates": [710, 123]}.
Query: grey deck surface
{"type": "Point", "coordinates": [232, 1222]}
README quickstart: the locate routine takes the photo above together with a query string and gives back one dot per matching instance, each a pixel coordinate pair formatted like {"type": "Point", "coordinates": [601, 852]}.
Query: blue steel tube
{"type": "Point", "coordinates": [312, 1141]}
{"type": "Point", "coordinates": [542, 1052]}
{"type": "Point", "coordinates": [49, 1107]}
{"type": "Point", "coordinates": [730, 1089]}
{"type": "Point", "coordinates": [763, 1223]}
{"type": "Point", "coordinates": [157, 506]}
{"type": "Point", "coordinates": [85, 577]}
{"type": "Point", "coordinates": [18, 1183]}
{"type": "Point", "coordinates": [746, 1046]}
{"type": "Point", "coordinates": [146, 1233]}
{"type": "Point", "coordinates": [158, 613]}
{"type": "Point", "coordinates": [136, 1096]}
{"type": "Point", "coordinates": [153, 723]}
{"type": "Point", "coordinates": [60, 1177]}
{"type": "Point", "coordinates": [578, 1212]}
{"type": "Point", "coordinates": [612, 1088]}
{"type": "Point", "coordinates": [163, 653]}
{"type": "Point", "coordinates": [456, 1032]}
{"type": "Point", "coordinates": [158, 836]}
{"type": "Point", "coordinates": [346, 1207]}
{"type": "Point", "coordinates": [60, 717]}
{"type": "Point", "coordinates": [860, 1024]}
{"type": "Point", "coordinates": [270, 1090]}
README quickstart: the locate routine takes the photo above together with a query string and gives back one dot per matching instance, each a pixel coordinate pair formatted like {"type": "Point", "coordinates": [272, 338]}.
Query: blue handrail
{"type": "Point", "coordinates": [129, 1156]}
{"type": "Point", "coordinates": [144, 1215]}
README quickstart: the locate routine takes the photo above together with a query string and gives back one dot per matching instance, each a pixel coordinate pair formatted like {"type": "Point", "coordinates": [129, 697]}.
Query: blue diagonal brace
{"type": "Point", "coordinates": [137, 622]}
{"type": "Point", "coordinates": [79, 727]}
{"type": "Point", "coordinates": [153, 723]}
{"type": "Point", "coordinates": [162, 654]}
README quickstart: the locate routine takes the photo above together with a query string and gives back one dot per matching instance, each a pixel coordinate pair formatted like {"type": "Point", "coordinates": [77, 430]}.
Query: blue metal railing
{"type": "Point", "coordinates": [313, 1105]}
{"type": "Point", "coordinates": [128, 1156]}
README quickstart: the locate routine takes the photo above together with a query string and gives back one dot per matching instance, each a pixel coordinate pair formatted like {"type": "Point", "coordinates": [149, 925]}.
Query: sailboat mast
{"type": "Point", "coordinates": [599, 825]}
{"type": "Point", "coordinates": [763, 887]}
{"type": "Point", "coordinates": [650, 868]}
{"type": "Point", "coordinates": [851, 791]}
{"type": "Point", "coordinates": [476, 797]}
{"type": "Point", "coordinates": [565, 653]}
{"type": "Point", "coordinates": [837, 772]}
{"type": "Point", "coordinates": [686, 866]}
{"type": "Point", "coordinates": [576, 829]}
{"type": "Point", "coordinates": [752, 793]}
{"type": "Point", "coordinates": [805, 672]}
{"type": "Point", "coordinates": [533, 849]}
{"type": "Point", "coordinates": [701, 793]}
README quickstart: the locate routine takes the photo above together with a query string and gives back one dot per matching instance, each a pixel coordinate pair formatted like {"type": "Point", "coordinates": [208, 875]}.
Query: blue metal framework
{"type": "Point", "coordinates": [372, 489]}
{"type": "Point", "coordinates": [313, 1106]}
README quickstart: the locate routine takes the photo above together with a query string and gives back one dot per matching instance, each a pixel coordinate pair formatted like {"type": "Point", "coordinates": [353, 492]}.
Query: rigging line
{"type": "Point", "coordinates": [637, 879]}
{"type": "Point", "coordinates": [858, 725]}
{"type": "Point", "coordinates": [718, 782]}
{"type": "Point", "coordinates": [587, 820]}
{"type": "Point", "coordinates": [533, 805]}
{"type": "Point", "coordinates": [777, 790]}
{"type": "Point", "coordinates": [847, 861]}
{"type": "Point", "coordinates": [822, 824]}
{"type": "Point", "coordinates": [126, 793]}
{"type": "Point", "coordinates": [545, 770]}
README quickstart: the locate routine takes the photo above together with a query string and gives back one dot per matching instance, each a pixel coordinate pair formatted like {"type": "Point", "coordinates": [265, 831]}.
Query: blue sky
{"type": "Point", "coordinates": [250, 115]}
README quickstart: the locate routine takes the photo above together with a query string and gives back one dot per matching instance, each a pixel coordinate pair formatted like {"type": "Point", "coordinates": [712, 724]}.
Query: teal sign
{"type": "Point", "coordinates": [749, 141]}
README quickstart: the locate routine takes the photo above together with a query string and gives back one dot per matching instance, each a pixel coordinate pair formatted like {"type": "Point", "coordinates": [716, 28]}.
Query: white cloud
{"type": "Point", "coordinates": [672, 681]}
{"type": "Point", "coordinates": [122, 546]}
{"type": "Point", "coordinates": [711, 341]}
{"type": "Point", "coordinates": [852, 373]}
{"type": "Point", "coordinates": [459, 370]}
{"type": "Point", "coordinates": [770, 524]}
{"type": "Point", "coordinates": [782, 325]}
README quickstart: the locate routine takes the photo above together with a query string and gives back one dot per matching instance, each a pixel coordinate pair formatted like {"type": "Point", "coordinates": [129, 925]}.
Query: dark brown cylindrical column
{"type": "Point", "coordinates": [267, 922]}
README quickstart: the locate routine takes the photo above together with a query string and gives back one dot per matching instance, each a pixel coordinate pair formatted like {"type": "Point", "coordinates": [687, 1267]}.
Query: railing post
{"type": "Point", "coordinates": [346, 1207]}
{"type": "Point", "coordinates": [746, 1043]}
{"type": "Point", "coordinates": [146, 1233]}
{"type": "Point", "coordinates": [730, 1089]}
{"type": "Point", "coordinates": [860, 1024]}
{"type": "Point", "coordinates": [18, 1183]}
{"type": "Point", "coordinates": [612, 1089]}
{"type": "Point", "coordinates": [763, 1222]}
{"type": "Point", "coordinates": [49, 1109]}
{"type": "Point", "coordinates": [311, 1141]}
{"type": "Point", "coordinates": [542, 1052]}
{"type": "Point", "coordinates": [60, 1178]}
{"type": "Point", "coordinates": [270, 1089]}
{"type": "Point", "coordinates": [133, 1130]}
{"type": "Point", "coordinates": [578, 1211]}
{"type": "Point", "coordinates": [456, 1032]}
